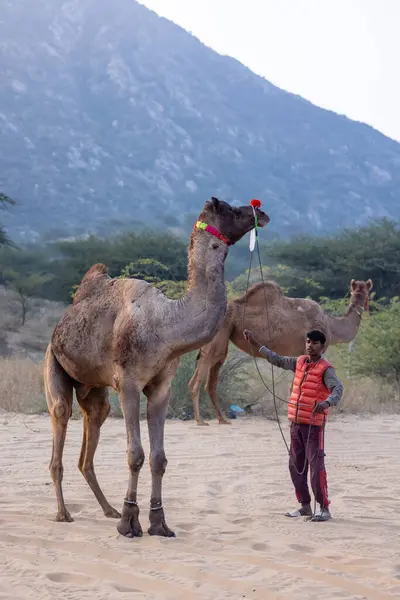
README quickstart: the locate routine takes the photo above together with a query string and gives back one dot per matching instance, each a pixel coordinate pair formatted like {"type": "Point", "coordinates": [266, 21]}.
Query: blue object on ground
{"type": "Point", "coordinates": [235, 408]}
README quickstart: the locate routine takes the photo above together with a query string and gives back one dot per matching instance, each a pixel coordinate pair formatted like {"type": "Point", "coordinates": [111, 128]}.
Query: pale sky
{"type": "Point", "coordinates": [342, 55]}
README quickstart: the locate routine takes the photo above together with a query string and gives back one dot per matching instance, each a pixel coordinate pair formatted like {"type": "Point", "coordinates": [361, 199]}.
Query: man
{"type": "Point", "coordinates": [315, 389]}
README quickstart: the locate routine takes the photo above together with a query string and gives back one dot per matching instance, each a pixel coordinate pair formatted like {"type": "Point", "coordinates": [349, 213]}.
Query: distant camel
{"type": "Point", "coordinates": [289, 318]}
{"type": "Point", "coordinates": [125, 334]}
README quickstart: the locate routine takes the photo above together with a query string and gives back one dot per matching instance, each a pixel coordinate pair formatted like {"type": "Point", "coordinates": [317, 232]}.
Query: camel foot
{"type": "Point", "coordinates": [202, 423]}
{"type": "Point", "coordinates": [224, 422]}
{"type": "Point", "coordinates": [161, 529]}
{"type": "Point", "coordinates": [64, 517]}
{"type": "Point", "coordinates": [129, 525]}
{"type": "Point", "coordinates": [158, 525]}
{"type": "Point", "coordinates": [129, 528]}
{"type": "Point", "coordinates": [112, 513]}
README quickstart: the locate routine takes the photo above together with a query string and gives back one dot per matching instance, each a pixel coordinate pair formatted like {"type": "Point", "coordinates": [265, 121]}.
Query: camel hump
{"type": "Point", "coordinates": [268, 287]}
{"type": "Point", "coordinates": [97, 269]}
{"type": "Point", "coordinates": [92, 279]}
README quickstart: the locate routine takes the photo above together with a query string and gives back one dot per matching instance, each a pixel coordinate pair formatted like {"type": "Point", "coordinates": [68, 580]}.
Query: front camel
{"type": "Point", "coordinates": [125, 334]}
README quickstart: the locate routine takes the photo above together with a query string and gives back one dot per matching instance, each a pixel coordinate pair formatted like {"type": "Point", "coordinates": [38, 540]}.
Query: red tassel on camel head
{"type": "Point", "coordinates": [255, 203]}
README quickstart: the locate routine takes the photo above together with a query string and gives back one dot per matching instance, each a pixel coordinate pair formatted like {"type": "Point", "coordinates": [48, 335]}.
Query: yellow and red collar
{"type": "Point", "coordinates": [204, 227]}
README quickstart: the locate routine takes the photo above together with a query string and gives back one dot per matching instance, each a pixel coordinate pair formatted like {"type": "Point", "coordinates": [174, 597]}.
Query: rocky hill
{"type": "Point", "coordinates": [111, 116]}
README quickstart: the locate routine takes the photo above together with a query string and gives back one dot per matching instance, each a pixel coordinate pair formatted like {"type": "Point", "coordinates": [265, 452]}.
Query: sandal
{"type": "Point", "coordinates": [303, 511]}
{"type": "Point", "coordinates": [323, 515]}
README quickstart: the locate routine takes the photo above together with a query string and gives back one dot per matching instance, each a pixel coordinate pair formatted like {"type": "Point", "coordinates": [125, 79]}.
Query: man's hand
{"type": "Point", "coordinates": [321, 407]}
{"type": "Point", "coordinates": [248, 335]}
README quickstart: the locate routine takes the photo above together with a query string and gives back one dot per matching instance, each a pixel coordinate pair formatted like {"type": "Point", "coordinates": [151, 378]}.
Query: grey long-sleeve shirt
{"type": "Point", "coordinates": [331, 380]}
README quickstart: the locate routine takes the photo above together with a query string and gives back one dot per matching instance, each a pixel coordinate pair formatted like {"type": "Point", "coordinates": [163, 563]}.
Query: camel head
{"type": "Point", "coordinates": [359, 294]}
{"type": "Point", "coordinates": [233, 222]}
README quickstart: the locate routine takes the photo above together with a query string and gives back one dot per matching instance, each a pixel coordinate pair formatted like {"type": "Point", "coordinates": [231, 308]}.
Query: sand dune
{"type": "Point", "coordinates": [225, 491]}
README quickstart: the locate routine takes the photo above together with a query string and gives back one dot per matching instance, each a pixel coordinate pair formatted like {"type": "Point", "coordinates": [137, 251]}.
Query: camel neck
{"type": "Point", "coordinates": [344, 329]}
{"type": "Point", "coordinates": [201, 311]}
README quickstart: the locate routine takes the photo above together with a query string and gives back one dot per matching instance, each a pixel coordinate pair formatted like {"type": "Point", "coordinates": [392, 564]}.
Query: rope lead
{"type": "Point", "coordinates": [255, 244]}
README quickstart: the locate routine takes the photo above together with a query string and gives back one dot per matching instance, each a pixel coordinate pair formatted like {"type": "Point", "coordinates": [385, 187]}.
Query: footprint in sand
{"type": "Point", "coordinates": [208, 512]}
{"type": "Point", "coordinates": [302, 549]}
{"type": "Point", "coordinates": [75, 507]}
{"type": "Point", "coordinates": [260, 547]}
{"type": "Point", "coordinates": [70, 578]}
{"type": "Point", "coordinates": [243, 521]}
{"type": "Point", "coordinates": [186, 526]}
{"type": "Point", "coordinates": [124, 589]}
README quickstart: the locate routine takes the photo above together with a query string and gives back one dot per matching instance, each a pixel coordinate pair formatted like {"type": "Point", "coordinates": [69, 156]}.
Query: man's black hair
{"type": "Point", "coordinates": [316, 336]}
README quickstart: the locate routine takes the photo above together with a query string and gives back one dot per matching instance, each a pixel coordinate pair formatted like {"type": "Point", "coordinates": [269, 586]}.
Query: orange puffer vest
{"type": "Point", "coordinates": [308, 389]}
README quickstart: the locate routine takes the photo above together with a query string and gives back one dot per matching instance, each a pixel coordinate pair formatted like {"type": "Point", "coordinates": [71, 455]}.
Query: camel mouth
{"type": "Point", "coordinates": [262, 218]}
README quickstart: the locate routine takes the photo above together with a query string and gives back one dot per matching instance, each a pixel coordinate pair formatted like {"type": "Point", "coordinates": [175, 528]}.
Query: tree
{"type": "Point", "coordinates": [361, 253]}
{"type": "Point", "coordinates": [153, 272]}
{"type": "Point", "coordinates": [25, 287]}
{"type": "Point", "coordinates": [4, 202]}
{"type": "Point", "coordinates": [292, 282]}
{"type": "Point", "coordinates": [24, 260]}
{"type": "Point", "coordinates": [72, 259]}
{"type": "Point", "coordinates": [156, 273]}
{"type": "Point", "coordinates": [377, 346]}
{"type": "Point", "coordinates": [148, 269]}
{"type": "Point", "coordinates": [172, 289]}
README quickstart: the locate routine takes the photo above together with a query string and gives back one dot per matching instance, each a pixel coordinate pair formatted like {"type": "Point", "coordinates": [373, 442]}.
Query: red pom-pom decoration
{"type": "Point", "coordinates": [255, 203]}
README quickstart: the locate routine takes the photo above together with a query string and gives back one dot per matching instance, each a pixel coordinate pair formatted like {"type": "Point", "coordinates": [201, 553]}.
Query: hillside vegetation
{"type": "Point", "coordinates": [38, 282]}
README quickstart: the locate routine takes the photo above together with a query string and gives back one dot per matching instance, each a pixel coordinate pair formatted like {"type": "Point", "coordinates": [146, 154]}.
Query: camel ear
{"type": "Point", "coordinates": [353, 284]}
{"type": "Point", "coordinates": [215, 204]}
{"type": "Point", "coordinates": [369, 284]}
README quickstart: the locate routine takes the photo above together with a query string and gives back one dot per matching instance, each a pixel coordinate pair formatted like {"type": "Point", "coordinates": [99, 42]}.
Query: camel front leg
{"type": "Point", "coordinates": [129, 524]}
{"type": "Point", "coordinates": [156, 413]}
{"type": "Point", "coordinates": [158, 395]}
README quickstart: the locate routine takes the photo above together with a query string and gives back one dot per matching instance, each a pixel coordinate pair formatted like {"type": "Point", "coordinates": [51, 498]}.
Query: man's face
{"type": "Point", "coordinates": [313, 349]}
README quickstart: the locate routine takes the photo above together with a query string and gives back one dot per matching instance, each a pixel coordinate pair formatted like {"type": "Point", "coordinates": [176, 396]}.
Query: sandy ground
{"type": "Point", "coordinates": [225, 491]}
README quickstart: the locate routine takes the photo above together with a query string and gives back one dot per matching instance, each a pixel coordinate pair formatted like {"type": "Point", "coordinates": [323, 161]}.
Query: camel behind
{"type": "Point", "coordinates": [283, 331]}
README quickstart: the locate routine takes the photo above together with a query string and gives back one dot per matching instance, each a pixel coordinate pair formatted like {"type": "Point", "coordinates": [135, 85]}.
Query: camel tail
{"type": "Point", "coordinates": [58, 384]}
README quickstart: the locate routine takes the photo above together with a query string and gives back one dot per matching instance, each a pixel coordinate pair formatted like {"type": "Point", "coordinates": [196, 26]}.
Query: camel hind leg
{"type": "Point", "coordinates": [210, 359]}
{"type": "Point", "coordinates": [59, 390]}
{"type": "Point", "coordinates": [211, 389]}
{"type": "Point", "coordinates": [195, 386]}
{"type": "Point", "coordinates": [95, 407]}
